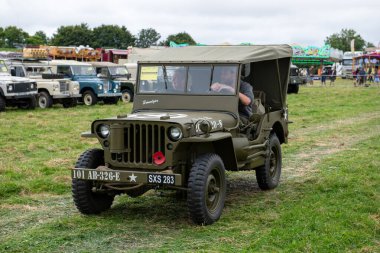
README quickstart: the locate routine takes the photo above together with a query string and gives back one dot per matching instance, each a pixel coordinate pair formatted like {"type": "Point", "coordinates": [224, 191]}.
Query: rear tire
{"type": "Point", "coordinates": [67, 103]}
{"type": "Point", "coordinates": [89, 98]}
{"type": "Point", "coordinates": [206, 189]}
{"type": "Point", "coordinates": [268, 176]}
{"type": "Point", "coordinates": [29, 104]}
{"type": "Point", "coordinates": [44, 100]}
{"type": "Point", "coordinates": [126, 96]}
{"type": "Point", "coordinates": [86, 200]}
{"type": "Point", "coordinates": [2, 104]}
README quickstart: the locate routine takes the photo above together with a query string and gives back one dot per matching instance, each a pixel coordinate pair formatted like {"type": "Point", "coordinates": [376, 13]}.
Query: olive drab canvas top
{"type": "Point", "coordinates": [220, 54]}
{"type": "Point", "coordinates": [268, 72]}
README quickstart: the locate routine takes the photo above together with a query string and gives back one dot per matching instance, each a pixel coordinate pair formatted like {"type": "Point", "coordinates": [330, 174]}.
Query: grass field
{"type": "Point", "coordinates": [328, 199]}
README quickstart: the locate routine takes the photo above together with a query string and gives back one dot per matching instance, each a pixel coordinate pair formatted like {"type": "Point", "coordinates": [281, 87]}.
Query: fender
{"type": "Point", "coordinates": [222, 144]}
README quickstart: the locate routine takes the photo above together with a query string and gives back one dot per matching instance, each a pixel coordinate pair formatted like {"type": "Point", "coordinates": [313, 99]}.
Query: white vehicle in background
{"type": "Point", "coordinates": [347, 63]}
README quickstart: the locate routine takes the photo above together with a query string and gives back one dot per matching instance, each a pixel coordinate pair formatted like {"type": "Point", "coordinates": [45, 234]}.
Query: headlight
{"type": "Point", "coordinates": [100, 87]}
{"type": "Point", "coordinates": [32, 85]}
{"type": "Point", "coordinates": [10, 87]}
{"type": "Point", "coordinates": [104, 130]}
{"type": "Point", "coordinates": [116, 86]}
{"type": "Point", "coordinates": [175, 133]}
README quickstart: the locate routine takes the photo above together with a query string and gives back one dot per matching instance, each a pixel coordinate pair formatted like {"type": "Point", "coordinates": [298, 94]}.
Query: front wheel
{"type": "Point", "coordinates": [89, 98]}
{"type": "Point", "coordinates": [268, 176]}
{"type": "Point", "coordinates": [206, 189]}
{"type": "Point", "coordinates": [87, 197]}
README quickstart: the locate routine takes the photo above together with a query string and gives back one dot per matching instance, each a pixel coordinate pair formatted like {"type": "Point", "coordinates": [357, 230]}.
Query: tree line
{"type": "Point", "coordinates": [106, 36]}
{"type": "Point", "coordinates": [114, 36]}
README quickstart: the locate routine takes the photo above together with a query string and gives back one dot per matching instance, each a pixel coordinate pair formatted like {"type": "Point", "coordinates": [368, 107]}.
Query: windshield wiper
{"type": "Point", "coordinates": [165, 76]}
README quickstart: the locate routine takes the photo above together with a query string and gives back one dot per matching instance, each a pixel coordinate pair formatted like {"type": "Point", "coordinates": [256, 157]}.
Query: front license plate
{"type": "Point", "coordinates": [113, 176]}
{"type": "Point", "coordinates": [161, 179]}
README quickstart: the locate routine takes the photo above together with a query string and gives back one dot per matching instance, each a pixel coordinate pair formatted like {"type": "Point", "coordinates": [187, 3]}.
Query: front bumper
{"type": "Point", "coordinates": [110, 94]}
{"type": "Point", "coordinates": [104, 174]}
{"type": "Point", "coordinates": [20, 95]}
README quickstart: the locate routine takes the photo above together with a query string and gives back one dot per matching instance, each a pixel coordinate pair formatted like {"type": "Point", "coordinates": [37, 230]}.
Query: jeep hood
{"type": "Point", "coordinates": [218, 120]}
{"type": "Point", "coordinates": [13, 79]}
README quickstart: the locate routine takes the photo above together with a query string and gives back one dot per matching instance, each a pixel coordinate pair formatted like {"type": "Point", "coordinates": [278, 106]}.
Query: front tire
{"type": "Point", "coordinates": [85, 198]}
{"type": "Point", "coordinates": [206, 189]}
{"type": "Point", "coordinates": [89, 98]}
{"type": "Point", "coordinates": [268, 176]}
{"type": "Point", "coordinates": [44, 100]}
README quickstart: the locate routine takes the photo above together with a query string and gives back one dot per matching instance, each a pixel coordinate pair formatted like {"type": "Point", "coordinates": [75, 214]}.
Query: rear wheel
{"type": "Point", "coordinates": [44, 100]}
{"type": "Point", "coordinates": [67, 103]}
{"type": "Point", "coordinates": [89, 98]}
{"type": "Point", "coordinates": [206, 189]}
{"type": "Point", "coordinates": [2, 104]}
{"type": "Point", "coordinates": [268, 176]}
{"type": "Point", "coordinates": [296, 89]}
{"type": "Point", "coordinates": [126, 96]}
{"type": "Point", "coordinates": [29, 104]}
{"type": "Point", "coordinates": [87, 198]}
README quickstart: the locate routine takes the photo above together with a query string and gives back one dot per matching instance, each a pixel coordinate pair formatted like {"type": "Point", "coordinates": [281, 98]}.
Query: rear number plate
{"type": "Point", "coordinates": [161, 179]}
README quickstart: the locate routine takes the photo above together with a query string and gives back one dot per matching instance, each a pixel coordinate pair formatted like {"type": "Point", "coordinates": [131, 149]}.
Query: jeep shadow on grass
{"type": "Point", "coordinates": [184, 137]}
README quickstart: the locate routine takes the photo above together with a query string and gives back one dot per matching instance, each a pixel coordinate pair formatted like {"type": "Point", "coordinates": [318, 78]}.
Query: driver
{"type": "Point", "coordinates": [179, 80]}
{"type": "Point", "coordinates": [227, 81]}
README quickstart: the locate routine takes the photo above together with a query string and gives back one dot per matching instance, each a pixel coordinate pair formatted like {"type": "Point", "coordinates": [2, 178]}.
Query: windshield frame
{"type": "Point", "coordinates": [111, 68]}
{"type": "Point", "coordinates": [188, 66]}
{"type": "Point", "coordinates": [3, 66]}
{"type": "Point", "coordinates": [72, 67]}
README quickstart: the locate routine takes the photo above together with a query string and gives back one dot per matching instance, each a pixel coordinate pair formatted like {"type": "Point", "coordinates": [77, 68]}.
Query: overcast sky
{"type": "Point", "coordinates": [211, 22]}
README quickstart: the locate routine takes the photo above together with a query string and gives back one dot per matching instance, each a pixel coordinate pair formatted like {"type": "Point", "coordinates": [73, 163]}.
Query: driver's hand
{"type": "Point", "coordinates": [219, 86]}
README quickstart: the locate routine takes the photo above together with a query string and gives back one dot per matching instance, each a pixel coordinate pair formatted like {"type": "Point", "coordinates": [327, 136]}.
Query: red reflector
{"type": "Point", "coordinates": [158, 158]}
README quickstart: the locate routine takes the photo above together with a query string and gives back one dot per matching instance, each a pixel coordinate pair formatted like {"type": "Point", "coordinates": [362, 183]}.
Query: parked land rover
{"type": "Point", "coordinates": [116, 74]}
{"type": "Point", "coordinates": [92, 88]}
{"type": "Point", "coordinates": [186, 139]}
{"type": "Point", "coordinates": [295, 79]}
{"type": "Point", "coordinates": [16, 91]}
{"type": "Point", "coordinates": [52, 88]}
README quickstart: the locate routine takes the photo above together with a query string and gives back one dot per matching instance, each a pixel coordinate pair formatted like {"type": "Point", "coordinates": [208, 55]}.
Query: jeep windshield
{"type": "Point", "coordinates": [118, 71]}
{"type": "Point", "coordinates": [83, 70]}
{"type": "Point", "coordinates": [3, 67]}
{"type": "Point", "coordinates": [200, 79]}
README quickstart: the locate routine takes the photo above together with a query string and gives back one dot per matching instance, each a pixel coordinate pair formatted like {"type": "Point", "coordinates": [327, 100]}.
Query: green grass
{"type": "Point", "coordinates": [328, 200]}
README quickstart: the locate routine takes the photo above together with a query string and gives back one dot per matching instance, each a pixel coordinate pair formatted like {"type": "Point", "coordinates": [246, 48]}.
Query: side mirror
{"type": "Point", "coordinates": [129, 75]}
{"type": "Point", "coordinates": [13, 72]}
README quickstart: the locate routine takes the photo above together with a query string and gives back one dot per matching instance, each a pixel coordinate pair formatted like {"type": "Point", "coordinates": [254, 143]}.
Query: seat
{"type": "Point", "coordinates": [258, 108]}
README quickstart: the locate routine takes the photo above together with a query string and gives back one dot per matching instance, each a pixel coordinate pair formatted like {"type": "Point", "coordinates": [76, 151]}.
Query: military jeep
{"type": "Point", "coordinates": [185, 139]}
{"type": "Point", "coordinates": [16, 91]}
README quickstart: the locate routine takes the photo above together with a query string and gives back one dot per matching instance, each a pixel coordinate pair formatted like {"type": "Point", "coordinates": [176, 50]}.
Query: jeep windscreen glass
{"type": "Point", "coordinates": [3, 68]}
{"type": "Point", "coordinates": [224, 79]}
{"type": "Point", "coordinates": [198, 79]}
{"type": "Point", "coordinates": [84, 70]}
{"type": "Point", "coordinates": [118, 71]}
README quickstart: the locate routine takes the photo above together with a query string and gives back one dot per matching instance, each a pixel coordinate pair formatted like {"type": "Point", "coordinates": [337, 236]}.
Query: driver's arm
{"type": "Point", "coordinates": [245, 100]}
